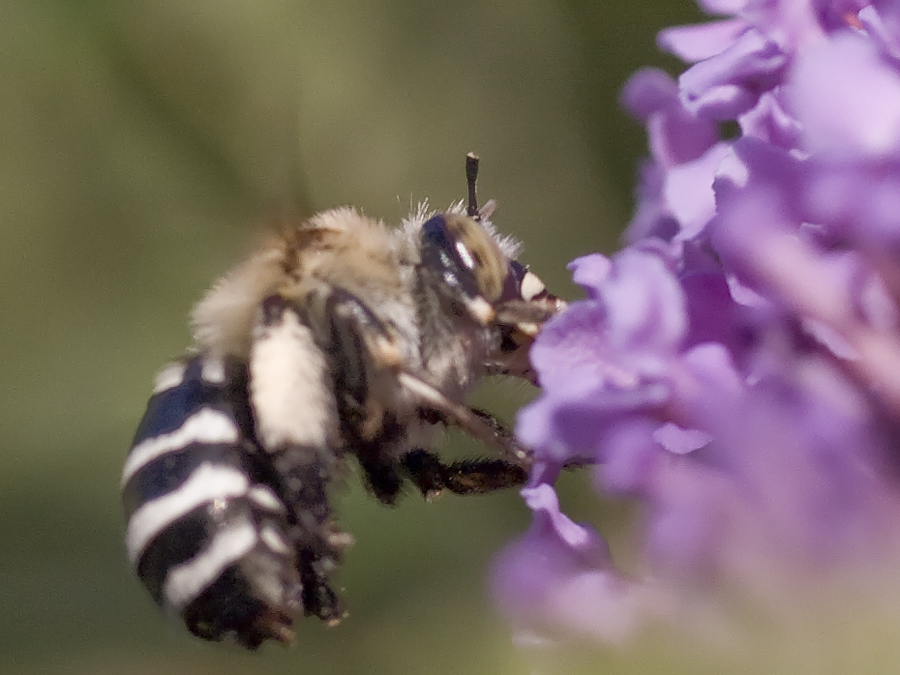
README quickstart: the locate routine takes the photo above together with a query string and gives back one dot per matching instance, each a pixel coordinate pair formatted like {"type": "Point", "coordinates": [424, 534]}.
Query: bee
{"type": "Point", "coordinates": [339, 338]}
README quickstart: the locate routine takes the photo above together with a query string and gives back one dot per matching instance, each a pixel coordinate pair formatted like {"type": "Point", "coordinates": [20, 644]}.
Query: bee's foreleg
{"type": "Point", "coordinates": [435, 407]}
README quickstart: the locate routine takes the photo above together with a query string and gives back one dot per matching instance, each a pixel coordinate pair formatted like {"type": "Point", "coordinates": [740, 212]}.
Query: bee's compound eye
{"type": "Point", "coordinates": [466, 256]}
{"type": "Point", "coordinates": [531, 286]}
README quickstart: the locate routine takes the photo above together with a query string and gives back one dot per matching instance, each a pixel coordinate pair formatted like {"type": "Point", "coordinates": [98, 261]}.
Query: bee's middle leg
{"type": "Point", "coordinates": [466, 477]}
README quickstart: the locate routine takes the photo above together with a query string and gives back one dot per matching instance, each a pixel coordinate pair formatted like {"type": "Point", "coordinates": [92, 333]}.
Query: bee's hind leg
{"type": "Point", "coordinates": [296, 423]}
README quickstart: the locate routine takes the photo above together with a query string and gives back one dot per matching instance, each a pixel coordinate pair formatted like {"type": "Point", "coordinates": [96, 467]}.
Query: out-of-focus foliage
{"type": "Point", "coordinates": [139, 140]}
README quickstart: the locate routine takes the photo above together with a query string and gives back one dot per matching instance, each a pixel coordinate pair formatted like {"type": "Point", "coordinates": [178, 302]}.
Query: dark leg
{"type": "Point", "coordinates": [363, 363]}
{"type": "Point", "coordinates": [317, 541]}
{"type": "Point", "coordinates": [382, 478]}
{"type": "Point", "coordinates": [378, 461]}
{"type": "Point", "coordinates": [318, 598]}
{"type": "Point", "coordinates": [467, 477]}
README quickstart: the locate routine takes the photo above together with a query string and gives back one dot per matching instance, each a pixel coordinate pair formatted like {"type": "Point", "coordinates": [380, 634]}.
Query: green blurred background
{"type": "Point", "coordinates": [139, 140]}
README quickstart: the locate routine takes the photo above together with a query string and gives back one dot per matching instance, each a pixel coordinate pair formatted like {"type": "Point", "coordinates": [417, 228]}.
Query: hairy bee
{"type": "Point", "coordinates": [339, 337]}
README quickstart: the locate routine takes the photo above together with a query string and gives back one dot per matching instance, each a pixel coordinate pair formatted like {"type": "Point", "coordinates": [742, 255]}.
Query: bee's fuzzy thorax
{"type": "Point", "coordinates": [340, 246]}
{"type": "Point", "coordinates": [223, 320]}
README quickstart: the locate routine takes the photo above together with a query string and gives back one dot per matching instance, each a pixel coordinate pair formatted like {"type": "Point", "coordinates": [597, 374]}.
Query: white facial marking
{"type": "Point", "coordinates": [481, 310]}
{"type": "Point", "coordinates": [531, 286]}
{"type": "Point", "coordinates": [528, 328]}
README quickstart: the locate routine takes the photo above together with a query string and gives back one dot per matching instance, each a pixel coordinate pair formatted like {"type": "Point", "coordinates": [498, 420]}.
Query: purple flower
{"type": "Point", "coordinates": [735, 369]}
{"type": "Point", "coordinates": [553, 566]}
{"type": "Point", "coordinates": [677, 197]}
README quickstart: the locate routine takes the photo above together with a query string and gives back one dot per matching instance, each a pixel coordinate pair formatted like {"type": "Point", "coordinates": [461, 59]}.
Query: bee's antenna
{"type": "Point", "coordinates": [471, 179]}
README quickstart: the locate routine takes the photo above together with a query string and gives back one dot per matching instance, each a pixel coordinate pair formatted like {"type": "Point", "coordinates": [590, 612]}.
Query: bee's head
{"type": "Point", "coordinates": [491, 289]}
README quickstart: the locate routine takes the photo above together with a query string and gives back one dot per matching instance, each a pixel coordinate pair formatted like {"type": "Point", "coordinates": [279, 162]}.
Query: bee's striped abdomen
{"type": "Point", "coordinates": [207, 530]}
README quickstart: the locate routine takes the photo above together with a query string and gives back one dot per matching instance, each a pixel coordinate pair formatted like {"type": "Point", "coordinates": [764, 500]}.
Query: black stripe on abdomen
{"type": "Point", "coordinates": [181, 541]}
